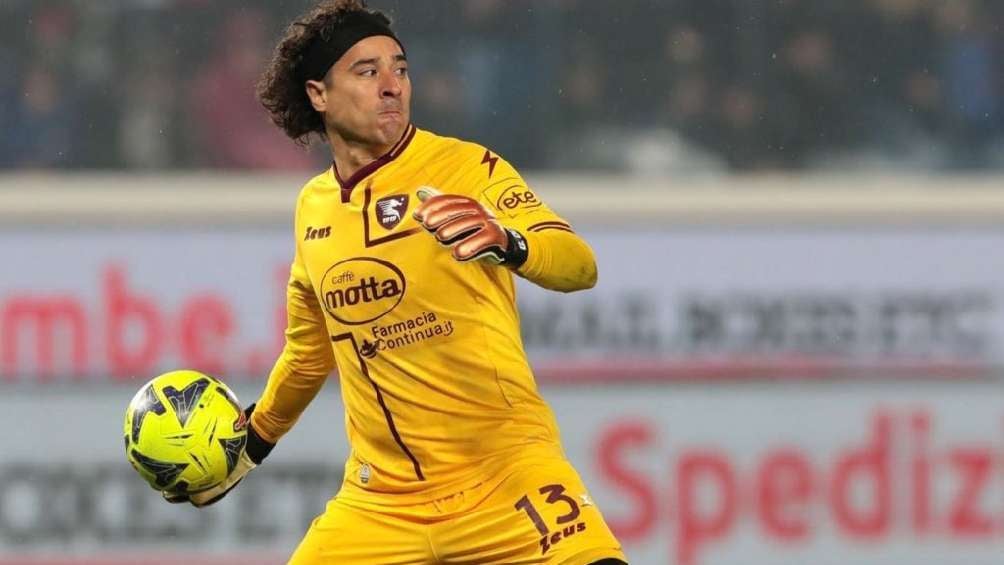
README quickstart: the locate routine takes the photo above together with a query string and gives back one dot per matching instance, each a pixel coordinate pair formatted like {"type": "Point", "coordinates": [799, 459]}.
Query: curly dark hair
{"type": "Point", "coordinates": [281, 87]}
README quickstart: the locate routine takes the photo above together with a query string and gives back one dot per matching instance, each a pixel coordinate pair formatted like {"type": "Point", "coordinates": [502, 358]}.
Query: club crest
{"type": "Point", "coordinates": [391, 209]}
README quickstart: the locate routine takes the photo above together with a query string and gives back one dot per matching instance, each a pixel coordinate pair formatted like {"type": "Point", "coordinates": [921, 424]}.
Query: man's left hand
{"type": "Point", "coordinates": [470, 229]}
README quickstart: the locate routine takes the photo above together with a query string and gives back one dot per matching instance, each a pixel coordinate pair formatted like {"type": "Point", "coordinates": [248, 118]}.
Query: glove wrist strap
{"type": "Point", "coordinates": [256, 447]}
{"type": "Point", "coordinates": [516, 251]}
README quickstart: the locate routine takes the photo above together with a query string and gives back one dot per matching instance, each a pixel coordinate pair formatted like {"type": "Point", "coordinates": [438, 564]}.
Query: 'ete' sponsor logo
{"type": "Point", "coordinates": [515, 197]}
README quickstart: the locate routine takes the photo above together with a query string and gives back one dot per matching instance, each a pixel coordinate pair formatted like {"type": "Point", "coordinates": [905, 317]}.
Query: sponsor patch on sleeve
{"type": "Point", "coordinates": [511, 197]}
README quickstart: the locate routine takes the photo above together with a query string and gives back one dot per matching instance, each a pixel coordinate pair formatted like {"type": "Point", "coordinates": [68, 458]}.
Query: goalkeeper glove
{"type": "Point", "coordinates": [469, 229]}
{"type": "Point", "coordinates": [255, 451]}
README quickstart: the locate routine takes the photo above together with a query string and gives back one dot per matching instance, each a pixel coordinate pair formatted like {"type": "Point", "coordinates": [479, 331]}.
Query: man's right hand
{"type": "Point", "coordinates": [255, 451]}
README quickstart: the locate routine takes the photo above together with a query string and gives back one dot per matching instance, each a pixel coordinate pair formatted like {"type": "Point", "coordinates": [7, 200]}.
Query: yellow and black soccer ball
{"type": "Point", "coordinates": [184, 431]}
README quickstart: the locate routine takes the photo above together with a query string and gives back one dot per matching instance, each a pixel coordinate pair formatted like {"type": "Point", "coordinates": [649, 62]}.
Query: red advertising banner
{"type": "Point", "coordinates": [729, 474]}
{"type": "Point", "coordinates": [715, 304]}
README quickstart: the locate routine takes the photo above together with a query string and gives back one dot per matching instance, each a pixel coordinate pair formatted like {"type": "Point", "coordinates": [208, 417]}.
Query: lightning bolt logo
{"type": "Point", "coordinates": [491, 160]}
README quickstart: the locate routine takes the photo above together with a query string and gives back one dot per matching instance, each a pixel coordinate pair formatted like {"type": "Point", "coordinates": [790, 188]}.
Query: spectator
{"type": "Point", "coordinates": [972, 94]}
{"type": "Point", "coordinates": [232, 129]}
{"type": "Point", "coordinates": [41, 125]}
{"type": "Point", "coordinates": [169, 84]}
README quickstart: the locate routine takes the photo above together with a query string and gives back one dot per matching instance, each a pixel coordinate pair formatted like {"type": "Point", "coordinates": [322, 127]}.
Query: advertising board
{"type": "Point", "coordinates": [767, 473]}
{"type": "Point", "coordinates": [103, 306]}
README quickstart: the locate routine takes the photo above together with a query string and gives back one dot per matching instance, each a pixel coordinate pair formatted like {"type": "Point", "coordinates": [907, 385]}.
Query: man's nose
{"type": "Point", "coordinates": [390, 86]}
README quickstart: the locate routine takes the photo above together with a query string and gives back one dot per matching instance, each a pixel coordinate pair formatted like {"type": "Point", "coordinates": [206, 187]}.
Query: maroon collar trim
{"type": "Point", "coordinates": [399, 147]}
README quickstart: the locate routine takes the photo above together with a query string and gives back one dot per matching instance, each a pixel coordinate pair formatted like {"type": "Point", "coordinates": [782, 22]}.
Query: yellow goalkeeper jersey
{"type": "Point", "coordinates": [435, 382]}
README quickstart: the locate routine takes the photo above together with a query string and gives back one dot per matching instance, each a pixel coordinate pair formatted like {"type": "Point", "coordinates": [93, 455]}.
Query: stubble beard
{"type": "Point", "coordinates": [392, 131]}
{"type": "Point", "coordinates": [385, 134]}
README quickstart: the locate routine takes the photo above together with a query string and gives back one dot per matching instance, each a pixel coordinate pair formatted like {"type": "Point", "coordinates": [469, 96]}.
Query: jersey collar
{"type": "Point", "coordinates": [350, 183]}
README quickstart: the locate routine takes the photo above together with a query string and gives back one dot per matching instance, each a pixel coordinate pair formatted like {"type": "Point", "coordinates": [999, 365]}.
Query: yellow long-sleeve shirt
{"type": "Point", "coordinates": [436, 385]}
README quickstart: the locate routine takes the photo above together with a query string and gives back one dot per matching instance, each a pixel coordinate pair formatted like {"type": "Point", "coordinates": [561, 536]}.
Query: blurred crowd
{"type": "Point", "coordinates": [632, 85]}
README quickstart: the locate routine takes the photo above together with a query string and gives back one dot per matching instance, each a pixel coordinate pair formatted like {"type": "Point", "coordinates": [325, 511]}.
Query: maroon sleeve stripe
{"type": "Point", "coordinates": [549, 225]}
{"type": "Point", "coordinates": [559, 228]}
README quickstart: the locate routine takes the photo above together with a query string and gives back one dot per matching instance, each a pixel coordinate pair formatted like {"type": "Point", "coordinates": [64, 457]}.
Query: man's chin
{"type": "Point", "coordinates": [391, 130]}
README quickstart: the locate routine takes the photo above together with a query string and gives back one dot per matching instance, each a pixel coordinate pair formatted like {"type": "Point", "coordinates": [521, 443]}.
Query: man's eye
{"type": "Point", "coordinates": [368, 73]}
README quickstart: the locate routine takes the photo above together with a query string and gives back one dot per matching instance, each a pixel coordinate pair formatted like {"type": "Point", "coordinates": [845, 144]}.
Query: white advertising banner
{"type": "Point", "coordinates": [778, 302]}
{"type": "Point", "coordinates": [738, 474]}
{"type": "Point", "coordinates": [97, 306]}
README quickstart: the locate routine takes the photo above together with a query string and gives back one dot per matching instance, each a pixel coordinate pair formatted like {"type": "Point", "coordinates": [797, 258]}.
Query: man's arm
{"type": "Point", "coordinates": [558, 259]}
{"type": "Point", "coordinates": [298, 374]}
{"type": "Point", "coordinates": [302, 368]}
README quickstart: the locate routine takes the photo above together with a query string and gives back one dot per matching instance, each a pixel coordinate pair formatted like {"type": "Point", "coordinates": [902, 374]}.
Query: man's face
{"type": "Point", "coordinates": [366, 95]}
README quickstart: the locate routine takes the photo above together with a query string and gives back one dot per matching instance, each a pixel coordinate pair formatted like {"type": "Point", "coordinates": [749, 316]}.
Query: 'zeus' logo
{"type": "Point", "coordinates": [317, 233]}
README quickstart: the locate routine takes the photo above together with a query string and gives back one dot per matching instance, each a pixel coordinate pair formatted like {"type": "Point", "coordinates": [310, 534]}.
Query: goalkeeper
{"type": "Point", "coordinates": [403, 277]}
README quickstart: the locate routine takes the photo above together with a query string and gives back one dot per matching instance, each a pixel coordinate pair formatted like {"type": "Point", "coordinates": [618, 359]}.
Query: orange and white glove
{"type": "Point", "coordinates": [469, 228]}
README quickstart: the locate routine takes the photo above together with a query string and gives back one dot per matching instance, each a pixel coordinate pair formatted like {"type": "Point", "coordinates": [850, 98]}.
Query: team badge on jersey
{"type": "Point", "coordinates": [391, 209]}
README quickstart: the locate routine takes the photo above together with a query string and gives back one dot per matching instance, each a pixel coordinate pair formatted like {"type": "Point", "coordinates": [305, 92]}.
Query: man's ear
{"type": "Point", "coordinates": [316, 93]}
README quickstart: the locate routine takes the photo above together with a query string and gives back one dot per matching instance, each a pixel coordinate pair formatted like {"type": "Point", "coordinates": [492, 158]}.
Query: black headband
{"type": "Point", "coordinates": [352, 28]}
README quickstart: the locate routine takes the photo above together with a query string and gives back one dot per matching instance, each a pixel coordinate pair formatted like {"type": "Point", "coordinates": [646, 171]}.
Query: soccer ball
{"type": "Point", "coordinates": [184, 431]}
